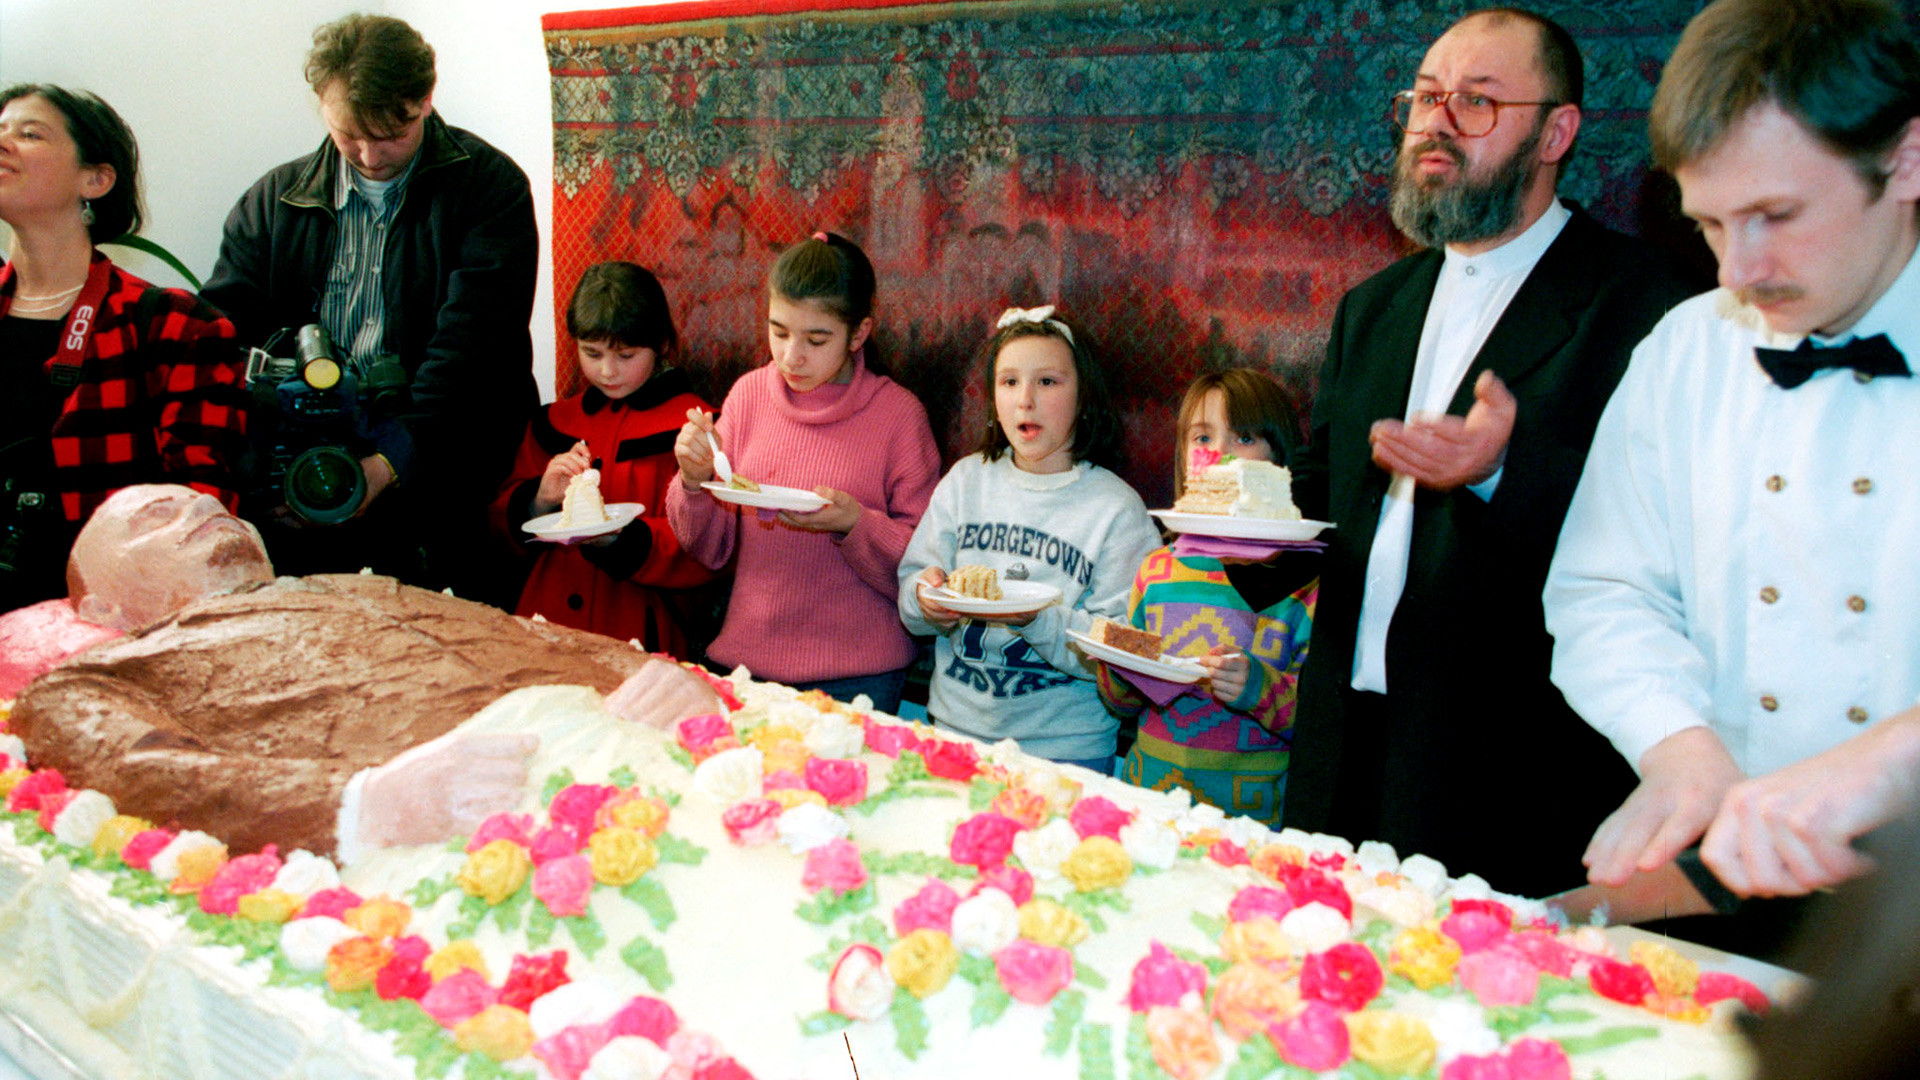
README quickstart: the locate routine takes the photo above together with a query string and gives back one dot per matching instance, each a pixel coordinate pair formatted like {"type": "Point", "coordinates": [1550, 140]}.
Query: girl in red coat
{"type": "Point", "coordinates": [625, 584]}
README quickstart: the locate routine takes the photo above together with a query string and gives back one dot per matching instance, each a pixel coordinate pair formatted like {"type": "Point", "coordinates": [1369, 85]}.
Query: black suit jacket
{"type": "Point", "coordinates": [1473, 756]}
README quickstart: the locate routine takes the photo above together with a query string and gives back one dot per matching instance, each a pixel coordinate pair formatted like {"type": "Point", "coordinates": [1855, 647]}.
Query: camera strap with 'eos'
{"type": "Point", "coordinates": [64, 372]}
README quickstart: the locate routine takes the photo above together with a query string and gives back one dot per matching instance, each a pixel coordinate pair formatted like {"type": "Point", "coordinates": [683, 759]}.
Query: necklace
{"type": "Point", "coordinates": [55, 304]}
{"type": "Point", "coordinates": [51, 296]}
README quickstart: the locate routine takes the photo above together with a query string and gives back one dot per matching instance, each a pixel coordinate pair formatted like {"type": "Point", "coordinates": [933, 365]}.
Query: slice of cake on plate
{"type": "Point", "coordinates": [582, 504]}
{"type": "Point", "coordinates": [1237, 487]}
{"type": "Point", "coordinates": [1142, 643]}
{"type": "Point", "coordinates": [979, 582]}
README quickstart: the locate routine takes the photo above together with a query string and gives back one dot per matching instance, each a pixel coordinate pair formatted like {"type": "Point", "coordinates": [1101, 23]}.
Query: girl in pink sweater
{"type": "Point", "coordinates": [814, 593]}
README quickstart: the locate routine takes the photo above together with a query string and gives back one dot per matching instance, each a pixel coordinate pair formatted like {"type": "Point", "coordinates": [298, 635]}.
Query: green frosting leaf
{"type": "Point", "coordinates": [677, 849]}
{"type": "Point", "coordinates": [540, 925]}
{"type": "Point", "coordinates": [827, 905]}
{"type": "Point", "coordinates": [978, 969]}
{"type": "Point", "coordinates": [1256, 1060]}
{"type": "Point", "coordinates": [823, 1022]}
{"type": "Point", "coordinates": [285, 974]}
{"type": "Point", "coordinates": [478, 1066]}
{"type": "Point", "coordinates": [1140, 1063]}
{"type": "Point", "coordinates": [1606, 1038]}
{"type": "Point", "coordinates": [587, 933]}
{"type": "Point", "coordinates": [506, 913]}
{"type": "Point", "coordinates": [981, 793]}
{"type": "Point", "coordinates": [622, 776]}
{"type": "Point", "coordinates": [867, 806]}
{"type": "Point", "coordinates": [1570, 1016]}
{"type": "Point", "coordinates": [427, 890]}
{"type": "Point", "coordinates": [679, 754]}
{"type": "Point", "coordinates": [909, 1024]}
{"type": "Point", "coordinates": [560, 779]}
{"type": "Point", "coordinates": [256, 939]}
{"type": "Point", "coordinates": [671, 798]}
{"type": "Point", "coordinates": [1508, 1021]}
{"type": "Point", "coordinates": [990, 999]}
{"type": "Point", "coordinates": [1377, 935]}
{"type": "Point", "coordinates": [1088, 977]}
{"type": "Point", "coordinates": [1096, 1052]}
{"type": "Point", "coordinates": [916, 863]}
{"type": "Point", "coordinates": [866, 930]}
{"type": "Point", "coordinates": [138, 887]}
{"type": "Point", "coordinates": [649, 961]}
{"type": "Point", "coordinates": [653, 899]}
{"type": "Point", "coordinates": [472, 910]}
{"type": "Point", "coordinates": [1068, 1006]}
{"type": "Point", "coordinates": [907, 768]}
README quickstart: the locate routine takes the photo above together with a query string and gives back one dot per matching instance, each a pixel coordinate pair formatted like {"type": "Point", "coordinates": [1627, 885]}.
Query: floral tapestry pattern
{"type": "Point", "coordinates": [1198, 183]}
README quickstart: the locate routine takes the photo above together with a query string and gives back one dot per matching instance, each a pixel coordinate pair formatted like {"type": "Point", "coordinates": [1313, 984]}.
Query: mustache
{"type": "Point", "coordinates": [1756, 295]}
{"type": "Point", "coordinates": [1429, 146]}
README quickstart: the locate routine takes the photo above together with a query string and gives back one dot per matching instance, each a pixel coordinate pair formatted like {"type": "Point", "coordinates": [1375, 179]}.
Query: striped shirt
{"type": "Point", "coordinates": [353, 307]}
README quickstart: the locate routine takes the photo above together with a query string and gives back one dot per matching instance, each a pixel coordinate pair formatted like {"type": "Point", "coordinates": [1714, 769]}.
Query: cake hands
{"type": "Point", "coordinates": [1448, 452]}
{"type": "Point", "coordinates": [443, 788]}
{"type": "Point", "coordinates": [661, 694]}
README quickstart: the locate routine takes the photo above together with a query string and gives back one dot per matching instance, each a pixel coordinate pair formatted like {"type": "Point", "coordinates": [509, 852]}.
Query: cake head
{"type": "Point", "coordinates": [151, 549]}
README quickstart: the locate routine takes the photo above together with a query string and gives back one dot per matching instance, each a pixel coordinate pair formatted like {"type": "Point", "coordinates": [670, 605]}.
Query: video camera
{"type": "Point", "coordinates": [315, 416]}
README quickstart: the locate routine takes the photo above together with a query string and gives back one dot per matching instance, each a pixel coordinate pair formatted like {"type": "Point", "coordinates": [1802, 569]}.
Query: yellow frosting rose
{"type": "Point", "coordinates": [501, 1032]}
{"type": "Point", "coordinates": [1045, 922]}
{"type": "Point", "coordinates": [619, 856]}
{"type": "Point", "coordinates": [269, 905]}
{"type": "Point", "coordinates": [1392, 1042]}
{"type": "Point", "coordinates": [196, 867]}
{"type": "Point", "coordinates": [647, 814]}
{"type": "Point", "coordinates": [1269, 858]}
{"type": "Point", "coordinates": [767, 734]}
{"type": "Point", "coordinates": [354, 963]}
{"type": "Point", "coordinates": [10, 779]}
{"type": "Point", "coordinates": [1257, 940]}
{"type": "Point", "coordinates": [1425, 956]}
{"type": "Point", "coordinates": [496, 871]}
{"type": "Point", "coordinates": [119, 829]}
{"type": "Point", "coordinates": [789, 797]}
{"type": "Point", "coordinates": [1249, 998]}
{"type": "Point", "coordinates": [787, 755]}
{"type": "Point", "coordinates": [380, 918]}
{"type": "Point", "coordinates": [1098, 862]}
{"type": "Point", "coordinates": [923, 961]}
{"type": "Point", "coordinates": [1673, 975]}
{"type": "Point", "coordinates": [454, 955]}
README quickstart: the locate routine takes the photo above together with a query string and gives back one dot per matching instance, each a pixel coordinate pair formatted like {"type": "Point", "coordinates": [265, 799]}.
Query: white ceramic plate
{"type": "Point", "coordinates": [1017, 598]}
{"type": "Point", "coordinates": [1178, 669]}
{"type": "Point", "coordinates": [619, 516]}
{"type": "Point", "coordinates": [1239, 528]}
{"type": "Point", "coordinates": [769, 497]}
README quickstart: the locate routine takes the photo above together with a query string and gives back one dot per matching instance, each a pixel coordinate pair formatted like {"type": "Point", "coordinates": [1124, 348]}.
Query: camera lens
{"type": "Point", "coordinates": [325, 485]}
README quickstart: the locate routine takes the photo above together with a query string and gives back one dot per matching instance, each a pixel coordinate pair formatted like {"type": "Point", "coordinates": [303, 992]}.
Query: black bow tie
{"type": "Point", "coordinates": [1869, 356]}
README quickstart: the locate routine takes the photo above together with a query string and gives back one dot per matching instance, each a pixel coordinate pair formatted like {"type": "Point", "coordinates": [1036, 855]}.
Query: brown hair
{"type": "Point", "coordinates": [1096, 424]}
{"type": "Point", "coordinates": [102, 138]}
{"type": "Point", "coordinates": [1846, 70]}
{"type": "Point", "coordinates": [622, 303]}
{"type": "Point", "coordinates": [1256, 405]}
{"type": "Point", "coordinates": [385, 65]}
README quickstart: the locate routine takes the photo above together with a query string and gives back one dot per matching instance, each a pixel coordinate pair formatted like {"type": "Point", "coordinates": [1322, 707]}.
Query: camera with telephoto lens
{"type": "Point", "coordinates": [315, 416]}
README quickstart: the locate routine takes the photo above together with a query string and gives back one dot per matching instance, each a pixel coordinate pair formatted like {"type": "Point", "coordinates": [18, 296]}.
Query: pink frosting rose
{"type": "Point", "coordinates": [648, 1017]}
{"type": "Point", "coordinates": [859, 986]}
{"type": "Point", "coordinates": [930, 908]}
{"type": "Point", "coordinates": [752, 822]}
{"type": "Point", "coordinates": [1315, 1039]}
{"type": "Point", "coordinates": [1097, 815]}
{"type": "Point", "coordinates": [1475, 930]}
{"type": "Point", "coordinates": [1256, 901]}
{"type": "Point", "coordinates": [555, 841]}
{"type": "Point", "coordinates": [1012, 880]}
{"type": "Point", "coordinates": [783, 779]}
{"type": "Point", "coordinates": [697, 734]}
{"type": "Point", "coordinates": [950, 760]}
{"type": "Point", "coordinates": [26, 795]}
{"type": "Point", "coordinates": [983, 840]}
{"type": "Point", "coordinates": [331, 903]}
{"type": "Point", "coordinates": [459, 996]}
{"type": "Point", "coordinates": [564, 884]}
{"type": "Point", "coordinates": [834, 865]}
{"type": "Point", "coordinates": [1499, 976]}
{"type": "Point", "coordinates": [1306, 885]}
{"type": "Point", "coordinates": [139, 851]}
{"type": "Point", "coordinates": [1228, 853]}
{"type": "Point", "coordinates": [1031, 972]}
{"type": "Point", "coordinates": [1346, 976]}
{"type": "Point", "coordinates": [239, 877]}
{"type": "Point", "coordinates": [842, 783]}
{"type": "Point", "coordinates": [576, 806]}
{"type": "Point", "coordinates": [1546, 952]}
{"type": "Point", "coordinates": [888, 740]}
{"type": "Point", "coordinates": [1477, 1067]}
{"type": "Point", "coordinates": [1538, 1059]}
{"type": "Point", "coordinates": [503, 826]}
{"type": "Point", "coordinates": [1161, 978]}
{"type": "Point", "coordinates": [567, 1052]}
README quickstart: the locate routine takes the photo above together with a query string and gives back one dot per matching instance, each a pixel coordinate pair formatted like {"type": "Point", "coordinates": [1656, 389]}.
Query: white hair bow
{"type": "Point", "coordinates": [1042, 315]}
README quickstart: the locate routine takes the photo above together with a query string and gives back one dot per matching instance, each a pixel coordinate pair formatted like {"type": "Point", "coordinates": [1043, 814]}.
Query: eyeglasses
{"type": "Point", "coordinates": [1472, 115]}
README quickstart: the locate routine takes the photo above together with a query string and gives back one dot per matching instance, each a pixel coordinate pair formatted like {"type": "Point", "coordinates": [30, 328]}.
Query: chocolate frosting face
{"type": "Point", "coordinates": [244, 715]}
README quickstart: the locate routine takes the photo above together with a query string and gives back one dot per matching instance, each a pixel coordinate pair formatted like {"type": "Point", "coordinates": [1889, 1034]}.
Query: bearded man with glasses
{"type": "Point", "coordinates": [1460, 390]}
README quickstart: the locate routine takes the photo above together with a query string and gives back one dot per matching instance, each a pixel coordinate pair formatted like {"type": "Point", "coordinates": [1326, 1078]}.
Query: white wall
{"type": "Point", "coordinates": [214, 92]}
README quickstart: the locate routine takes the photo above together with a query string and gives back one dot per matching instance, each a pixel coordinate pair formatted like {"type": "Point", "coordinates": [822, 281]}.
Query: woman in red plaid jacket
{"type": "Point", "coordinates": [105, 380]}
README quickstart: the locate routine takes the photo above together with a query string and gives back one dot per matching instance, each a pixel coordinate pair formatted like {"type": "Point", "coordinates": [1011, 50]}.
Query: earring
{"type": "Point", "coordinates": [86, 212]}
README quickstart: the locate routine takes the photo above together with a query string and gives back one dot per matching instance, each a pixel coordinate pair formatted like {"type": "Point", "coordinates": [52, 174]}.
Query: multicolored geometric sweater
{"type": "Point", "coordinates": [1233, 756]}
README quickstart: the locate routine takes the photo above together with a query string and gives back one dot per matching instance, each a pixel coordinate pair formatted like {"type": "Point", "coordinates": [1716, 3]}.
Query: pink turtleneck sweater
{"type": "Point", "coordinates": [810, 606]}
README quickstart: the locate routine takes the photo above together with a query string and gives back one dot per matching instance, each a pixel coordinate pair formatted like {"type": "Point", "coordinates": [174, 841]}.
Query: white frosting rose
{"type": "Point", "coordinates": [1324, 844]}
{"type": "Point", "coordinates": [1525, 910]}
{"type": "Point", "coordinates": [1424, 872]}
{"type": "Point", "coordinates": [166, 865]}
{"type": "Point", "coordinates": [305, 873]}
{"type": "Point", "coordinates": [731, 775]}
{"type": "Point", "coordinates": [582, 1001]}
{"type": "Point", "coordinates": [985, 922]}
{"type": "Point", "coordinates": [1293, 837]}
{"type": "Point", "coordinates": [860, 986]}
{"type": "Point", "coordinates": [1377, 857]}
{"type": "Point", "coordinates": [13, 747]}
{"type": "Point", "coordinates": [1042, 850]}
{"type": "Point", "coordinates": [628, 1057]}
{"type": "Point", "coordinates": [81, 819]}
{"type": "Point", "coordinates": [1200, 817]}
{"type": "Point", "coordinates": [1315, 928]}
{"type": "Point", "coordinates": [1149, 843]}
{"type": "Point", "coordinates": [808, 825]}
{"type": "Point", "coordinates": [1472, 887]}
{"type": "Point", "coordinates": [1460, 1027]}
{"type": "Point", "coordinates": [1403, 905]}
{"type": "Point", "coordinates": [1246, 832]}
{"type": "Point", "coordinates": [304, 942]}
{"type": "Point", "coordinates": [834, 736]}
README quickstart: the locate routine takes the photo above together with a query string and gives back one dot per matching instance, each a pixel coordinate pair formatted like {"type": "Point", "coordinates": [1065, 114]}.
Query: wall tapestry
{"type": "Point", "coordinates": [1198, 183]}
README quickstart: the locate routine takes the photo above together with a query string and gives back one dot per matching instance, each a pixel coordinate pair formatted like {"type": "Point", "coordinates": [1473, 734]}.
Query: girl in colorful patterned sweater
{"type": "Point", "coordinates": [1226, 738]}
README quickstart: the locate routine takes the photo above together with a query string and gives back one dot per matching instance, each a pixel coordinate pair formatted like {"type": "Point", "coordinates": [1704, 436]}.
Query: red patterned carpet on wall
{"type": "Point", "coordinates": [1198, 183]}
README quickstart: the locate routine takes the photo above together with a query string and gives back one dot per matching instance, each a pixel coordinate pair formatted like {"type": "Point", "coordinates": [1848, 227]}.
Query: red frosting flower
{"type": "Point", "coordinates": [246, 874]}
{"type": "Point", "coordinates": [842, 783]}
{"type": "Point", "coordinates": [1011, 880]}
{"type": "Point", "coordinates": [567, 1052]}
{"type": "Point", "coordinates": [1346, 976]}
{"type": "Point", "coordinates": [983, 840]}
{"type": "Point", "coordinates": [1475, 930]}
{"type": "Point", "coordinates": [1629, 984]}
{"type": "Point", "coordinates": [51, 804]}
{"type": "Point", "coordinates": [1546, 952]}
{"type": "Point", "coordinates": [950, 760]}
{"type": "Point", "coordinates": [889, 740]}
{"type": "Point", "coordinates": [1502, 976]}
{"type": "Point", "coordinates": [930, 908]}
{"type": "Point", "coordinates": [1306, 885]}
{"type": "Point", "coordinates": [533, 976]}
{"type": "Point", "coordinates": [752, 821]}
{"type": "Point", "coordinates": [556, 841]}
{"type": "Point", "coordinates": [140, 850]}
{"type": "Point", "coordinates": [723, 1069]}
{"type": "Point", "coordinates": [402, 978]}
{"type": "Point", "coordinates": [1477, 1067]}
{"type": "Point", "coordinates": [564, 884]}
{"type": "Point", "coordinates": [1314, 1040]}
{"type": "Point", "coordinates": [1538, 1059]}
{"type": "Point", "coordinates": [647, 1017]}
{"type": "Point", "coordinates": [576, 806]}
{"type": "Point", "coordinates": [1490, 907]}
{"type": "Point", "coordinates": [1097, 815]}
{"type": "Point", "coordinates": [458, 996]}
{"type": "Point", "coordinates": [834, 865]}
{"type": "Point", "coordinates": [503, 826]}
{"type": "Point", "coordinates": [331, 903]}
{"type": "Point", "coordinates": [1161, 978]}
{"type": "Point", "coordinates": [1255, 901]}
{"type": "Point", "coordinates": [26, 795]}
{"type": "Point", "coordinates": [1031, 972]}
{"type": "Point", "coordinates": [697, 734]}
{"type": "Point", "coordinates": [1228, 853]}
{"type": "Point", "coordinates": [1202, 457]}
{"type": "Point", "coordinates": [1718, 986]}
